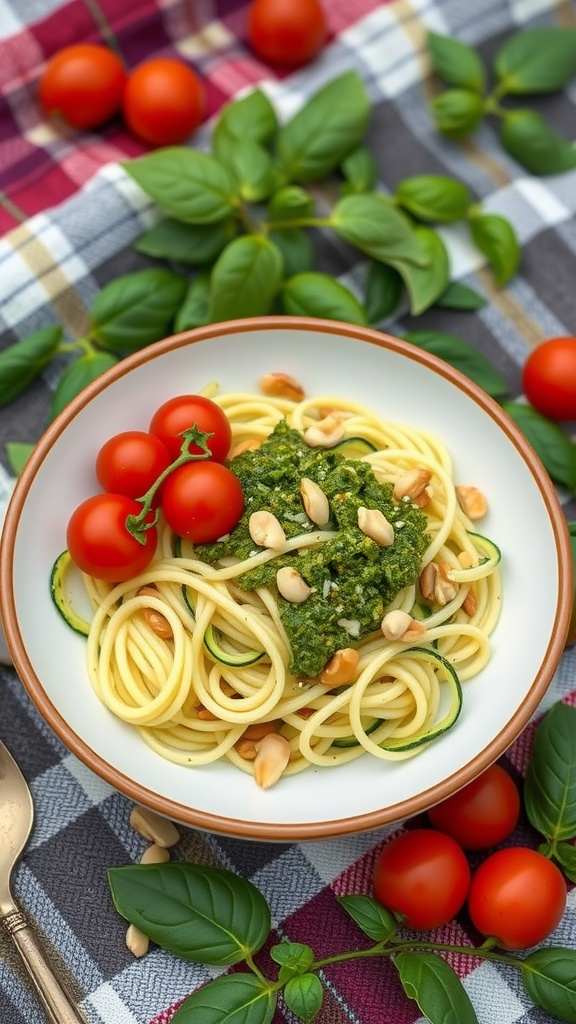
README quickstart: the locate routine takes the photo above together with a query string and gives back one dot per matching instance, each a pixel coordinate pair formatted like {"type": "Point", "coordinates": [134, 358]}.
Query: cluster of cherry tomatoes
{"type": "Point", "coordinates": [516, 895]}
{"type": "Point", "coordinates": [199, 497]}
{"type": "Point", "coordinates": [163, 100]}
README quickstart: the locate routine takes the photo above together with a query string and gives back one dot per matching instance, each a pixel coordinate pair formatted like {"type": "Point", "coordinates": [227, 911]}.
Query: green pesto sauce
{"type": "Point", "coordinates": [352, 578]}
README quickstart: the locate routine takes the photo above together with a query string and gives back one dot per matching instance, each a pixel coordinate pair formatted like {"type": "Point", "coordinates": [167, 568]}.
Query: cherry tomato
{"type": "Point", "coordinates": [424, 875]}
{"type": "Point", "coordinates": [517, 896]}
{"type": "Point", "coordinates": [202, 501]}
{"type": "Point", "coordinates": [481, 814]}
{"type": "Point", "coordinates": [163, 102]}
{"type": "Point", "coordinates": [184, 411]}
{"type": "Point", "coordinates": [99, 542]}
{"type": "Point", "coordinates": [549, 378]}
{"type": "Point", "coordinates": [287, 32]}
{"type": "Point", "coordinates": [83, 84]}
{"type": "Point", "coordinates": [131, 462]}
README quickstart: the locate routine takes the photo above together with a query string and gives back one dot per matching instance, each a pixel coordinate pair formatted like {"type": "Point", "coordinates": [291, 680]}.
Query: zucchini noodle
{"type": "Point", "coordinates": [222, 673]}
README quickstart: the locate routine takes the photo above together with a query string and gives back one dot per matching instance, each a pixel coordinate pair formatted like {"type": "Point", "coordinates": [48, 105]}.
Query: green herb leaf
{"type": "Point", "coordinates": [187, 184]}
{"type": "Point", "coordinates": [290, 203]}
{"type": "Point", "coordinates": [425, 284]}
{"type": "Point", "coordinates": [186, 243]}
{"type": "Point", "coordinates": [549, 977]}
{"type": "Point", "coordinates": [303, 995]}
{"type": "Point", "coordinates": [319, 295]}
{"type": "Point", "coordinates": [250, 117]}
{"type": "Point", "coordinates": [376, 227]}
{"type": "Point", "coordinates": [457, 63]}
{"type": "Point", "coordinates": [296, 248]}
{"type": "Point", "coordinates": [526, 137]}
{"type": "Point", "coordinates": [235, 998]}
{"type": "Point", "coordinates": [551, 444]}
{"type": "Point", "coordinates": [316, 140]}
{"type": "Point", "coordinates": [384, 288]}
{"type": "Point", "coordinates": [22, 362]}
{"type": "Point", "coordinates": [495, 237]}
{"type": "Point", "coordinates": [434, 197]}
{"type": "Point", "coordinates": [77, 376]}
{"type": "Point", "coordinates": [463, 356]}
{"type": "Point", "coordinates": [18, 453]}
{"type": "Point", "coordinates": [536, 60]}
{"type": "Point", "coordinates": [375, 920]}
{"type": "Point", "coordinates": [204, 914]}
{"type": "Point", "coordinates": [550, 783]}
{"type": "Point", "coordinates": [460, 296]}
{"type": "Point", "coordinates": [293, 957]}
{"type": "Point", "coordinates": [194, 310]}
{"type": "Point", "coordinates": [136, 309]}
{"type": "Point", "coordinates": [457, 112]}
{"type": "Point", "coordinates": [565, 856]}
{"type": "Point", "coordinates": [360, 171]}
{"type": "Point", "coordinates": [245, 279]}
{"type": "Point", "coordinates": [251, 164]}
{"type": "Point", "coordinates": [435, 987]}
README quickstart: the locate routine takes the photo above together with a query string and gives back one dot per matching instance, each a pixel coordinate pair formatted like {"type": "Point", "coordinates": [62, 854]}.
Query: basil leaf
{"type": "Point", "coordinates": [22, 362]}
{"type": "Point", "coordinates": [136, 309]}
{"type": "Point", "coordinates": [77, 376]}
{"type": "Point", "coordinates": [536, 60]}
{"type": "Point", "coordinates": [462, 356]}
{"type": "Point", "coordinates": [460, 296]}
{"type": "Point", "coordinates": [175, 905]}
{"type": "Point", "coordinates": [565, 856]}
{"type": "Point", "coordinates": [457, 112]}
{"type": "Point", "coordinates": [376, 227]}
{"type": "Point", "coordinates": [526, 137]}
{"type": "Point", "coordinates": [186, 243]}
{"type": "Point", "coordinates": [434, 197]}
{"type": "Point", "coordinates": [194, 309]}
{"type": "Point", "coordinates": [551, 444]}
{"type": "Point", "coordinates": [376, 921]}
{"type": "Point", "coordinates": [18, 453]}
{"type": "Point", "coordinates": [318, 295]}
{"type": "Point", "coordinates": [238, 998]}
{"type": "Point", "coordinates": [251, 165]}
{"type": "Point", "coordinates": [187, 184]}
{"type": "Point", "coordinates": [245, 279]}
{"type": "Point", "coordinates": [290, 203]}
{"type": "Point", "coordinates": [457, 63]}
{"type": "Point", "coordinates": [316, 140]}
{"type": "Point", "coordinates": [293, 957]}
{"type": "Point", "coordinates": [250, 117]}
{"type": "Point", "coordinates": [296, 249]}
{"type": "Point", "coordinates": [549, 977]}
{"type": "Point", "coordinates": [360, 171]}
{"type": "Point", "coordinates": [435, 987]}
{"type": "Point", "coordinates": [550, 783]}
{"type": "Point", "coordinates": [495, 237]}
{"type": "Point", "coordinates": [425, 284]}
{"type": "Point", "coordinates": [384, 288]}
{"type": "Point", "coordinates": [303, 995]}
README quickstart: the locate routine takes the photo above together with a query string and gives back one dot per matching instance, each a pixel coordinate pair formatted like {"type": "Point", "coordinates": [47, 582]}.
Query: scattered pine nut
{"type": "Point", "coordinates": [154, 827]}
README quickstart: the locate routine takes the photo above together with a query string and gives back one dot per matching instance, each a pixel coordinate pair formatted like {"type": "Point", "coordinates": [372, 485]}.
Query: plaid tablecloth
{"type": "Point", "coordinates": [68, 217]}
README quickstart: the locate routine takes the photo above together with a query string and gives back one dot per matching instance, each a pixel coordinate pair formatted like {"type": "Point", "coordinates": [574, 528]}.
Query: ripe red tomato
{"type": "Point", "coordinates": [517, 896]}
{"type": "Point", "coordinates": [131, 462]}
{"type": "Point", "coordinates": [481, 814]}
{"type": "Point", "coordinates": [83, 84]}
{"type": "Point", "coordinates": [99, 542]}
{"type": "Point", "coordinates": [549, 378]}
{"type": "Point", "coordinates": [202, 501]}
{"type": "Point", "coordinates": [184, 411]}
{"type": "Point", "coordinates": [287, 32]}
{"type": "Point", "coordinates": [424, 875]}
{"type": "Point", "coordinates": [163, 102]}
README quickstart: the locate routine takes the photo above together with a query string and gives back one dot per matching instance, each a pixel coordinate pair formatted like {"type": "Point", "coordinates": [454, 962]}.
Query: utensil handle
{"type": "Point", "coordinates": [58, 1006]}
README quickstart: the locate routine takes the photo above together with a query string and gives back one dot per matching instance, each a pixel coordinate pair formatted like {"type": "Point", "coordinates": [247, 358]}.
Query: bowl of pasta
{"type": "Point", "coordinates": [324, 609]}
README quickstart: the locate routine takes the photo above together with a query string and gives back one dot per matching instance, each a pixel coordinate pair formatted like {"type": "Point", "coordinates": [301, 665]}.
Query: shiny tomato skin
{"type": "Point", "coordinates": [549, 378]}
{"type": "Point", "coordinates": [483, 813]}
{"type": "Point", "coordinates": [517, 896]}
{"type": "Point", "coordinates": [202, 501]}
{"type": "Point", "coordinates": [287, 32]}
{"type": "Point", "coordinates": [424, 875]}
{"type": "Point", "coordinates": [164, 101]}
{"type": "Point", "coordinates": [99, 542]}
{"type": "Point", "coordinates": [131, 462]}
{"type": "Point", "coordinates": [83, 84]}
{"type": "Point", "coordinates": [184, 411]}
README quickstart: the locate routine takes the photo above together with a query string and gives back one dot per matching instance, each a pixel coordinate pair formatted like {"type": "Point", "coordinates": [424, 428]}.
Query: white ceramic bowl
{"type": "Point", "coordinates": [402, 383]}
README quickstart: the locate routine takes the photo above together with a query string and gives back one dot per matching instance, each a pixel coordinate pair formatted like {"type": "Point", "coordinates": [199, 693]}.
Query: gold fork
{"type": "Point", "coordinates": [16, 817]}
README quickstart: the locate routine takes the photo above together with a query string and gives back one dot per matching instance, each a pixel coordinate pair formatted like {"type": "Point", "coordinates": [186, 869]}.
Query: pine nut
{"type": "Point", "coordinates": [291, 585]}
{"type": "Point", "coordinates": [470, 603]}
{"type": "Point", "coordinates": [472, 502]}
{"type": "Point", "coordinates": [282, 385]}
{"type": "Point", "coordinates": [257, 730]}
{"type": "Point", "coordinates": [266, 530]}
{"type": "Point", "coordinates": [399, 625]}
{"type": "Point", "coordinates": [153, 826]}
{"type": "Point", "coordinates": [435, 586]}
{"type": "Point", "coordinates": [341, 667]}
{"type": "Point", "coordinates": [374, 524]}
{"type": "Point", "coordinates": [411, 483]}
{"type": "Point", "coordinates": [136, 941]}
{"type": "Point", "coordinates": [325, 434]}
{"type": "Point", "coordinates": [155, 854]}
{"type": "Point", "coordinates": [158, 623]}
{"type": "Point", "coordinates": [315, 502]}
{"type": "Point", "coordinates": [246, 749]}
{"type": "Point", "coordinates": [272, 757]}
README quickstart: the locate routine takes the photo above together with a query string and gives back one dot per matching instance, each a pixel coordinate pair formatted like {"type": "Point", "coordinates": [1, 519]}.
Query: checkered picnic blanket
{"type": "Point", "coordinates": [69, 216]}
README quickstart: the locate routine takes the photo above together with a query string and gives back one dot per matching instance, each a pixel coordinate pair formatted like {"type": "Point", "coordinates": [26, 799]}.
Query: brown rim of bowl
{"type": "Point", "coordinates": [271, 831]}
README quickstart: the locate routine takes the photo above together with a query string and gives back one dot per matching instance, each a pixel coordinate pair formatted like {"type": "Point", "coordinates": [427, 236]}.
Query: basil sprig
{"type": "Point", "coordinates": [550, 786]}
